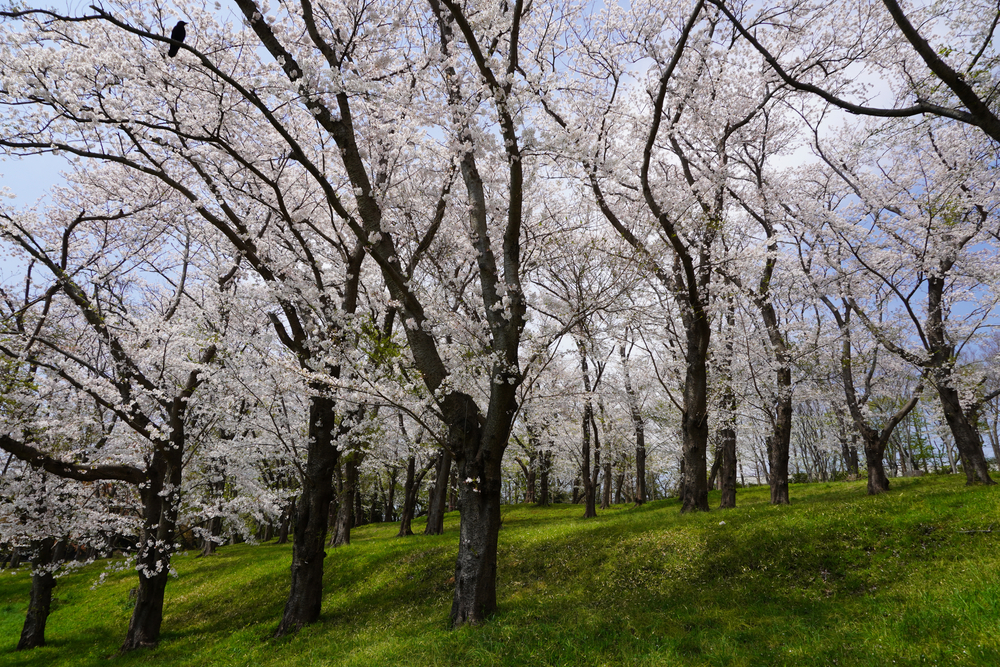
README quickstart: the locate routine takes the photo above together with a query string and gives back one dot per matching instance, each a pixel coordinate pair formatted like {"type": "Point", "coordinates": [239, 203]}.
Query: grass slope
{"type": "Point", "coordinates": [838, 578]}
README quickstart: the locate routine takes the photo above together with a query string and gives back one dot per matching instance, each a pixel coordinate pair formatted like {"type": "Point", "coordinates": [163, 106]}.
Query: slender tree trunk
{"type": "Point", "coordinates": [713, 473]}
{"type": "Point", "coordinates": [545, 464]}
{"type": "Point", "coordinates": [389, 509]}
{"type": "Point", "coordinates": [638, 426]}
{"type": "Point", "coordinates": [359, 511]}
{"type": "Point", "coordinates": [589, 494]}
{"type": "Point", "coordinates": [439, 495]}
{"type": "Point", "coordinates": [727, 440]}
{"type": "Point", "coordinates": [210, 541]}
{"type": "Point", "coordinates": [346, 518]}
{"type": "Point", "coordinates": [994, 443]}
{"type": "Point", "coordinates": [589, 480]}
{"type": "Point", "coordinates": [309, 539]}
{"type": "Point", "coordinates": [778, 443]}
{"type": "Point", "coordinates": [286, 522]}
{"type": "Point", "coordinates": [409, 497]}
{"type": "Point", "coordinates": [46, 553]}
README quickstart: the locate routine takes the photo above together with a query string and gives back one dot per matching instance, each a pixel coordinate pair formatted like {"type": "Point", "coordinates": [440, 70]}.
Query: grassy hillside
{"type": "Point", "coordinates": [838, 578]}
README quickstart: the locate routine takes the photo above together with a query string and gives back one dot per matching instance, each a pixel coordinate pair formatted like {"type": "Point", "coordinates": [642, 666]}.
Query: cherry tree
{"type": "Point", "coordinates": [915, 226]}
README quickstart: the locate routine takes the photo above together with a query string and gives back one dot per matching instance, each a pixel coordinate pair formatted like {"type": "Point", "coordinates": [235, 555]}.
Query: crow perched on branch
{"type": "Point", "coordinates": [177, 36]}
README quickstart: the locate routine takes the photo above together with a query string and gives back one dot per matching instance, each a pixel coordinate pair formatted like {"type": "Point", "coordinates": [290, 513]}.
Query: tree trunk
{"type": "Point", "coordinates": [713, 473]}
{"type": "Point", "coordinates": [544, 465]}
{"type": "Point", "coordinates": [727, 475]}
{"type": "Point", "coordinates": [210, 541]}
{"type": "Point", "coordinates": [286, 522]}
{"type": "Point", "coordinates": [778, 443]}
{"type": "Point", "coordinates": [160, 499]}
{"type": "Point", "coordinates": [589, 492]}
{"type": "Point", "coordinates": [389, 510]}
{"type": "Point", "coordinates": [640, 431]}
{"type": "Point", "coordinates": [409, 497]}
{"type": "Point", "coordinates": [694, 421]}
{"type": "Point", "coordinates": [346, 516]}
{"type": "Point", "coordinates": [453, 490]}
{"type": "Point", "coordinates": [46, 553]}
{"type": "Point", "coordinates": [967, 441]}
{"type": "Point", "coordinates": [309, 539]}
{"type": "Point", "coordinates": [438, 496]}
{"type": "Point", "coordinates": [878, 482]}
{"type": "Point", "coordinates": [476, 566]}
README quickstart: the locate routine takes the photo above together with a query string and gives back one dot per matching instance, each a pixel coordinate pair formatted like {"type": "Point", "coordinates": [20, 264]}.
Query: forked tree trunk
{"type": "Point", "coordinates": [878, 481]}
{"type": "Point", "coordinates": [46, 553]}
{"type": "Point", "coordinates": [438, 495]}
{"type": "Point", "coordinates": [309, 539]}
{"type": "Point", "coordinates": [160, 498]}
{"type": "Point", "coordinates": [713, 473]}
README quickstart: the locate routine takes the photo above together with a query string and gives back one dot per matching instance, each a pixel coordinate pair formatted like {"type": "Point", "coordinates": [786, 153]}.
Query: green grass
{"type": "Point", "coordinates": [837, 578]}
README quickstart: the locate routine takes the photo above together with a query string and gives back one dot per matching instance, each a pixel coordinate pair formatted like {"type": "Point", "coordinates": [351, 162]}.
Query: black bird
{"type": "Point", "coordinates": [177, 36]}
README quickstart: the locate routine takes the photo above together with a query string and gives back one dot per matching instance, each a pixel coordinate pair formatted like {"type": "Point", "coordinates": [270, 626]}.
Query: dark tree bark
{"type": "Point", "coordinates": [544, 466]}
{"type": "Point", "coordinates": [480, 485]}
{"type": "Point", "coordinates": [694, 421]}
{"type": "Point", "coordinates": [873, 440]}
{"type": "Point", "coordinates": [778, 442]}
{"type": "Point", "coordinates": [309, 539]}
{"type": "Point", "coordinates": [638, 427]}
{"type": "Point", "coordinates": [46, 554]}
{"type": "Point", "coordinates": [411, 489]}
{"type": "Point", "coordinates": [438, 495]}
{"type": "Point", "coordinates": [588, 476]}
{"type": "Point", "coordinates": [453, 490]}
{"type": "Point", "coordinates": [359, 510]}
{"type": "Point", "coordinates": [529, 467]}
{"type": "Point", "coordinates": [848, 443]}
{"type": "Point", "coordinates": [210, 541]}
{"type": "Point", "coordinates": [346, 511]}
{"type": "Point", "coordinates": [286, 522]}
{"type": "Point", "coordinates": [727, 475]}
{"type": "Point", "coordinates": [713, 472]}
{"type": "Point", "coordinates": [608, 481]}
{"type": "Point", "coordinates": [160, 502]}
{"type": "Point", "coordinates": [389, 507]}
{"type": "Point", "coordinates": [727, 403]}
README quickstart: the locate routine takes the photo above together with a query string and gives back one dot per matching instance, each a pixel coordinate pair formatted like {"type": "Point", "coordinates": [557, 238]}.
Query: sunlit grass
{"type": "Point", "coordinates": [836, 578]}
